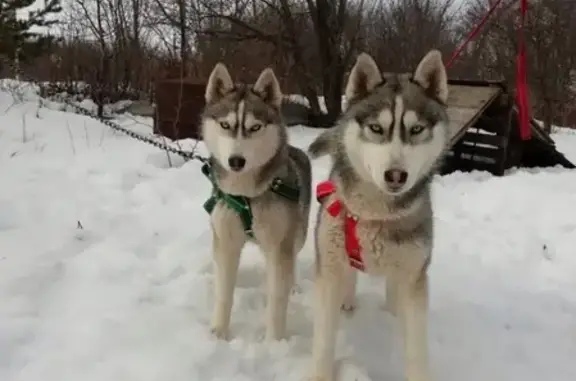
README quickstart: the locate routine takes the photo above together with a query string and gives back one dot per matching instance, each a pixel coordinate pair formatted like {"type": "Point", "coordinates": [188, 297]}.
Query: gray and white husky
{"type": "Point", "coordinates": [384, 151]}
{"type": "Point", "coordinates": [252, 161]}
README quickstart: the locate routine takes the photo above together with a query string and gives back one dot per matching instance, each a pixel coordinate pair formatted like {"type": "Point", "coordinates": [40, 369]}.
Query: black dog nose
{"type": "Point", "coordinates": [395, 177]}
{"type": "Point", "coordinates": [236, 162]}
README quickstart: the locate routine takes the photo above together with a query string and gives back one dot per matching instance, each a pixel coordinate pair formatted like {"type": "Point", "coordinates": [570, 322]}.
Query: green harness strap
{"type": "Point", "coordinates": [241, 204]}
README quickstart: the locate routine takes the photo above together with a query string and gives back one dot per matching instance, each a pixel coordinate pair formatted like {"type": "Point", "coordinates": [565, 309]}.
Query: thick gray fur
{"type": "Point", "coordinates": [392, 122]}
{"type": "Point", "coordinates": [246, 121]}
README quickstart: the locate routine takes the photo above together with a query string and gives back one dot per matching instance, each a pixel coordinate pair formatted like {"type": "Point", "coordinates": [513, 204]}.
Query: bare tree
{"type": "Point", "coordinates": [551, 55]}
{"type": "Point", "coordinates": [310, 44]}
{"type": "Point", "coordinates": [402, 31]}
{"type": "Point", "coordinates": [334, 43]}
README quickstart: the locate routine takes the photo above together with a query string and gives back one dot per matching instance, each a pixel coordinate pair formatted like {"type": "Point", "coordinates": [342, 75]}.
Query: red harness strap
{"type": "Point", "coordinates": [353, 249]}
{"type": "Point", "coordinates": [521, 82]}
{"type": "Point", "coordinates": [522, 100]}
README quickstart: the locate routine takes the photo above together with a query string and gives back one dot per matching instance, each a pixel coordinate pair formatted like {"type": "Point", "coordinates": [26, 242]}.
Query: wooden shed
{"type": "Point", "coordinates": [179, 104]}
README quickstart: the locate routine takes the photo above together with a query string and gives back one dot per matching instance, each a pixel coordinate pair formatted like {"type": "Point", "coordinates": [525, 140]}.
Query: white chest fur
{"type": "Point", "coordinates": [384, 249]}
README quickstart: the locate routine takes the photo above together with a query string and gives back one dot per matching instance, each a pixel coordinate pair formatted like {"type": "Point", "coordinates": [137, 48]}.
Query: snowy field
{"type": "Point", "coordinates": [106, 275]}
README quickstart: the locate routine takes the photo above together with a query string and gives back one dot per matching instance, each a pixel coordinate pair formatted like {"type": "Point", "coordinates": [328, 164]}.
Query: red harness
{"type": "Point", "coordinates": [353, 248]}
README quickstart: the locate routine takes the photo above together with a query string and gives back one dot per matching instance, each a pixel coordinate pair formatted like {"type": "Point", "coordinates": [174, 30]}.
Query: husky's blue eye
{"type": "Point", "coordinates": [376, 128]}
{"type": "Point", "coordinates": [225, 125]}
{"type": "Point", "coordinates": [255, 127]}
{"type": "Point", "coordinates": [415, 130]}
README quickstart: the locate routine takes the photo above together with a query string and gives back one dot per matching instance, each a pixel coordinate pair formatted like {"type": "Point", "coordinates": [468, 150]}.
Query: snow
{"type": "Point", "coordinates": [105, 269]}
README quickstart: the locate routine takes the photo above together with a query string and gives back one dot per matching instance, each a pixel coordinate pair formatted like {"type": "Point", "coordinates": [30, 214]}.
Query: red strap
{"type": "Point", "coordinates": [522, 98]}
{"type": "Point", "coordinates": [352, 245]}
{"type": "Point", "coordinates": [474, 33]}
{"type": "Point", "coordinates": [324, 189]}
{"type": "Point", "coordinates": [521, 83]}
{"type": "Point", "coordinates": [334, 208]}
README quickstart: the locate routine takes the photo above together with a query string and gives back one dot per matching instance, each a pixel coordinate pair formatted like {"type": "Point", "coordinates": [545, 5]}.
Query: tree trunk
{"type": "Point", "coordinates": [548, 115]}
{"type": "Point", "coordinates": [183, 38]}
{"type": "Point", "coordinates": [327, 25]}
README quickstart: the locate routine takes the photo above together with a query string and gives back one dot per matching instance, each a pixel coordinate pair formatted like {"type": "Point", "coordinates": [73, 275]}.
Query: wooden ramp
{"type": "Point", "coordinates": [467, 103]}
{"type": "Point", "coordinates": [484, 132]}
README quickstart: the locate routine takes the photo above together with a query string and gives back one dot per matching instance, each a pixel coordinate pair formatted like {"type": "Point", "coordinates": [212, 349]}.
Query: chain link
{"type": "Point", "coordinates": [187, 155]}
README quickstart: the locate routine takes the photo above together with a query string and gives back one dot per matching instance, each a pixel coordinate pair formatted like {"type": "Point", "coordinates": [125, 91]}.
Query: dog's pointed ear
{"type": "Point", "coordinates": [268, 88]}
{"type": "Point", "coordinates": [431, 75]}
{"type": "Point", "coordinates": [363, 78]}
{"type": "Point", "coordinates": [219, 83]}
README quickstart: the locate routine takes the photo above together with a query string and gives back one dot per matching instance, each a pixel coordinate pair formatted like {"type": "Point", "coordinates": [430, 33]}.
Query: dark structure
{"type": "Point", "coordinates": [485, 133]}
{"type": "Point", "coordinates": [179, 104]}
{"type": "Point", "coordinates": [182, 122]}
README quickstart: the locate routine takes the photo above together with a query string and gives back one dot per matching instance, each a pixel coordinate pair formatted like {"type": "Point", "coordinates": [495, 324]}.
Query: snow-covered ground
{"type": "Point", "coordinates": [106, 275]}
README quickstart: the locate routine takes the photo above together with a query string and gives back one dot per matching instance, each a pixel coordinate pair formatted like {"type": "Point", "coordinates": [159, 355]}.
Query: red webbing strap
{"type": "Point", "coordinates": [352, 245]}
{"type": "Point", "coordinates": [521, 74]}
{"type": "Point", "coordinates": [353, 248]}
{"type": "Point", "coordinates": [474, 33]}
{"type": "Point", "coordinates": [325, 189]}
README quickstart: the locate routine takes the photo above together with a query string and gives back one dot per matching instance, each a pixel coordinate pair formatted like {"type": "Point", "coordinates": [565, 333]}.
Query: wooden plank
{"type": "Point", "coordinates": [505, 133]}
{"type": "Point", "coordinates": [540, 133]}
{"type": "Point", "coordinates": [469, 165]}
{"type": "Point", "coordinates": [476, 82]}
{"type": "Point", "coordinates": [490, 153]}
{"type": "Point", "coordinates": [466, 104]}
{"type": "Point", "coordinates": [475, 97]}
{"type": "Point", "coordinates": [484, 139]}
{"type": "Point", "coordinates": [537, 131]}
{"type": "Point", "coordinates": [460, 120]}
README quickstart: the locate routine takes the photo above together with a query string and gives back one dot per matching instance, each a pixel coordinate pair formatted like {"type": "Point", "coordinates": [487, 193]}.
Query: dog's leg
{"type": "Point", "coordinates": [280, 278]}
{"type": "Point", "coordinates": [328, 300]}
{"type": "Point", "coordinates": [413, 309]}
{"type": "Point", "coordinates": [226, 261]}
{"type": "Point", "coordinates": [391, 304]}
{"type": "Point", "coordinates": [351, 277]}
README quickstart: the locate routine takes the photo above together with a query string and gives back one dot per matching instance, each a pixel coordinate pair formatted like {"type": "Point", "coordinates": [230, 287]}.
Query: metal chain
{"type": "Point", "coordinates": [187, 155]}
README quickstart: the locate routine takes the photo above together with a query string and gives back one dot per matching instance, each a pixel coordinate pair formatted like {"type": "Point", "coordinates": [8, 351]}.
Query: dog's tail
{"type": "Point", "coordinates": [304, 166]}
{"type": "Point", "coordinates": [324, 144]}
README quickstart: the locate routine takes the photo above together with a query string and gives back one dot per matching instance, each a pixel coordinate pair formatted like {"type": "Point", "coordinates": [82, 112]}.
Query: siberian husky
{"type": "Point", "coordinates": [376, 212]}
{"type": "Point", "coordinates": [262, 191]}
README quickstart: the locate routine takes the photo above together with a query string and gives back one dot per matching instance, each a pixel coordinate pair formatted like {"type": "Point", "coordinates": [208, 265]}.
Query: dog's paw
{"type": "Point", "coordinates": [349, 304]}
{"type": "Point", "coordinates": [220, 332]}
{"type": "Point", "coordinates": [348, 308]}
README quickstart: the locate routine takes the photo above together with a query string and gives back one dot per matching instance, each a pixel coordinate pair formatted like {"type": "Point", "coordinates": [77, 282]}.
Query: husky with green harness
{"type": "Point", "coordinates": [261, 191]}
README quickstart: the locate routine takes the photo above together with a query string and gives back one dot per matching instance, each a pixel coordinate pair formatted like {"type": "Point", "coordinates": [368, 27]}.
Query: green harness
{"type": "Point", "coordinates": [241, 204]}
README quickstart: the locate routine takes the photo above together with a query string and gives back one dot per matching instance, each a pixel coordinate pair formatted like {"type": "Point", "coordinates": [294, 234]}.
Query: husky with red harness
{"type": "Point", "coordinates": [376, 210]}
